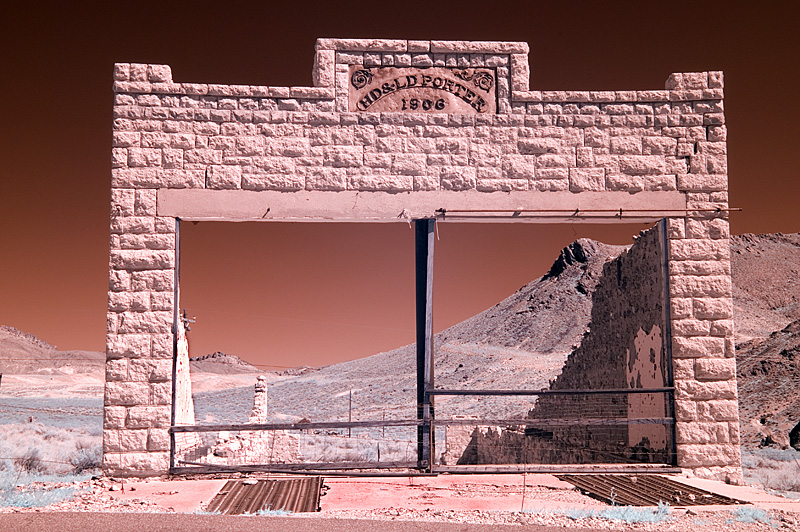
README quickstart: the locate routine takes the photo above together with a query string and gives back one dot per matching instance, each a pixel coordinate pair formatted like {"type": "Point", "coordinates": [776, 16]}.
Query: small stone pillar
{"type": "Point", "coordinates": [259, 414]}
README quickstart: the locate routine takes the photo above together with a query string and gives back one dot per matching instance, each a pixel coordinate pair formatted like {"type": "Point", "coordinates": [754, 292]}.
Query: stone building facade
{"type": "Point", "coordinates": [465, 134]}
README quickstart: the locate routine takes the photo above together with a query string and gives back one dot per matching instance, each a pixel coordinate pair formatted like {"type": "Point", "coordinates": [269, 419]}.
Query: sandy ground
{"type": "Point", "coordinates": [490, 499]}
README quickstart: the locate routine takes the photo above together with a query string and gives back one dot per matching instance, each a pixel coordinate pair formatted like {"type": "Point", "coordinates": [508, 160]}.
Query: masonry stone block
{"type": "Point", "coordinates": [586, 179]}
{"type": "Point", "coordinates": [719, 410]}
{"type": "Point", "coordinates": [681, 307]}
{"type": "Point", "coordinates": [709, 286]}
{"type": "Point", "coordinates": [703, 391]}
{"type": "Point", "coordinates": [127, 393]}
{"type": "Point", "coordinates": [117, 370]}
{"type": "Point", "coordinates": [145, 322]}
{"type": "Point", "coordinates": [133, 260]}
{"type": "Point", "coordinates": [713, 308]}
{"type": "Point", "coordinates": [700, 455]}
{"type": "Point", "coordinates": [683, 369]}
{"type": "Point", "coordinates": [143, 417]}
{"type": "Point", "coordinates": [154, 280]}
{"type": "Point", "coordinates": [691, 327]}
{"type": "Point", "coordinates": [128, 345]}
{"type": "Point", "coordinates": [114, 417]}
{"type": "Point", "coordinates": [701, 433]}
{"type": "Point", "coordinates": [162, 345]}
{"type": "Point", "coordinates": [158, 440]}
{"type": "Point", "coordinates": [698, 347]}
{"type": "Point", "coordinates": [134, 463]}
{"type": "Point", "coordinates": [150, 370]}
{"type": "Point", "coordinates": [715, 369]}
{"type": "Point", "coordinates": [126, 440]}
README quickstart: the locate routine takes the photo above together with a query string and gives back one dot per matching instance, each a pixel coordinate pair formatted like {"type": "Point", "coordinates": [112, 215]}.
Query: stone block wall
{"type": "Point", "coordinates": [575, 148]}
{"type": "Point", "coordinates": [624, 348]}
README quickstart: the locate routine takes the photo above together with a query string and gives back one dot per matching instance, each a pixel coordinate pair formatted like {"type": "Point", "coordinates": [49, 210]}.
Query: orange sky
{"type": "Point", "coordinates": [287, 294]}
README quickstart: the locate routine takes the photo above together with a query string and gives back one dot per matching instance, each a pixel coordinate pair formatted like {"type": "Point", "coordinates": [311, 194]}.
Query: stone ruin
{"type": "Point", "coordinates": [395, 130]}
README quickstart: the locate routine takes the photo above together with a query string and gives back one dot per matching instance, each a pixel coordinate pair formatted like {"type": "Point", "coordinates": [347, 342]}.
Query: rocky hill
{"type": "Point", "coordinates": [24, 353]}
{"type": "Point", "coordinates": [221, 363]}
{"type": "Point", "coordinates": [766, 283]}
{"type": "Point", "coordinates": [768, 371]}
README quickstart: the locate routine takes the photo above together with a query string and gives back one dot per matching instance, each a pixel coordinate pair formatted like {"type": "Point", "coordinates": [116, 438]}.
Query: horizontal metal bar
{"type": "Point", "coordinates": [444, 212]}
{"type": "Point", "coordinates": [552, 392]}
{"type": "Point", "coordinates": [555, 468]}
{"type": "Point", "coordinates": [560, 422]}
{"type": "Point", "coordinates": [298, 426]}
{"type": "Point", "coordinates": [320, 466]}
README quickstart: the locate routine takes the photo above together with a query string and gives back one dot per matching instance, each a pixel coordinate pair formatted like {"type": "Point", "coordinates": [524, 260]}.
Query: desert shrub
{"type": "Point", "coordinates": [35, 497]}
{"type": "Point", "coordinates": [86, 458]}
{"type": "Point", "coordinates": [774, 469]}
{"type": "Point", "coordinates": [751, 514]}
{"type": "Point", "coordinates": [628, 514]}
{"type": "Point", "coordinates": [30, 462]}
{"type": "Point", "coordinates": [273, 513]}
{"type": "Point", "coordinates": [632, 514]}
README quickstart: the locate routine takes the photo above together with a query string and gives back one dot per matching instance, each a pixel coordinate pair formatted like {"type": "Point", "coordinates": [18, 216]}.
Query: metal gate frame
{"type": "Point", "coordinates": [425, 422]}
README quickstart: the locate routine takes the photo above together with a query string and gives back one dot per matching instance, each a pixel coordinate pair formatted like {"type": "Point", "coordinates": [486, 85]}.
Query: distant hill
{"type": "Point", "coordinates": [24, 353]}
{"type": "Point", "coordinates": [221, 363]}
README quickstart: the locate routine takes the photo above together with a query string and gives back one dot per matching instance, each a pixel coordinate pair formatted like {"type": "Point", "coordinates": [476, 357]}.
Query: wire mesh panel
{"type": "Point", "coordinates": [569, 427]}
{"type": "Point", "coordinates": [319, 446]}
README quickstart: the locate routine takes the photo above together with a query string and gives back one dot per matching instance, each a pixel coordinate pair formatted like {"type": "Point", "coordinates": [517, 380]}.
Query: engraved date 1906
{"type": "Point", "coordinates": [415, 104]}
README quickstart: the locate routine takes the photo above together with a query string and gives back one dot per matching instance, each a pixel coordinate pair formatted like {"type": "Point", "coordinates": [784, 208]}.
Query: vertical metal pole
{"type": "Point", "coordinates": [424, 234]}
{"type": "Point", "coordinates": [668, 373]}
{"type": "Point", "coordinates": [175, 325]}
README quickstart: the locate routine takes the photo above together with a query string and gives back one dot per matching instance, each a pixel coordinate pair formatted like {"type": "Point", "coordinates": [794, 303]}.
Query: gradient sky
{"type": "Point", "coordinates": [291, 294]}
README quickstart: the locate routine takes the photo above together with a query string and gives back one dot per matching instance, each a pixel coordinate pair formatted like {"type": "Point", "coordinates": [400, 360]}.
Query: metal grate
{"type": "Point", "coordinates": [249, 496]}
{"type": "Point", "coordinates": [644, 490]}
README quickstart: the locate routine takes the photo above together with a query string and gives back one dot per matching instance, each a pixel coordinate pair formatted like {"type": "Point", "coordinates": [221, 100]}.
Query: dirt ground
{"type": "Point", "coordinates": [488, 499]}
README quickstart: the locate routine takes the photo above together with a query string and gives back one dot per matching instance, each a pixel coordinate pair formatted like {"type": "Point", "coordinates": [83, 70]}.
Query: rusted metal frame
{"type": "Point", "coordinates": [561, 422]}
{"type": "Point", "coordinates": [644, 490]}
{"type": "Point", "coordinates": [610, 391]}
{"type": "Point", "coordinates": [557, 468]}
{"type": "Point", "coordinates": [298, 426]}
{"type": "Point", "coordinates": [291, 494]}
{"type": "Point", "coordinates": [293, 467]}
{"type": "Point", "coordinates": [667, 313]}
{"type": "Point", "coordinates": [175, 327]}
{"type": "Point", "coordinates": [371, 472]}
{"type": "Point", "coordinates": [423, 243]}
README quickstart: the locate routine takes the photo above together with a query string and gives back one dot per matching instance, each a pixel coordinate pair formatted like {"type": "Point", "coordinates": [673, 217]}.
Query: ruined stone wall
{"type": "Point", "coordinates": [623, 349]}
{"type": "Point", "coordinates": [661, 151]}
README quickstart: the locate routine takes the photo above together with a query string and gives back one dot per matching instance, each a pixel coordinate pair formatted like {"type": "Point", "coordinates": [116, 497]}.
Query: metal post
{"type": "Point", "coordinates": [175, 325]}
{"type": "Point", "coordinates": [424, 233]}
{"type": "Point", "coordinates": [667, 314]}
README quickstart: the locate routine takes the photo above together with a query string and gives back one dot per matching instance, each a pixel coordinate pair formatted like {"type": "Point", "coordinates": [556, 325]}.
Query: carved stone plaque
{"type": "Point", "coordinates": [422, 90]}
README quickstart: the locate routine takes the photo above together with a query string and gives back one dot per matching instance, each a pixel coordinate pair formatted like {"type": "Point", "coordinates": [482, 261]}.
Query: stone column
{"type": "Point", "coordinates": [703, 351]}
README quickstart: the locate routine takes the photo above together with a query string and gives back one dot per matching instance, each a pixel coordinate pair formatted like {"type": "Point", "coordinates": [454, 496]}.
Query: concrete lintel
{"type": "Point", "coordinates": [353, 206]}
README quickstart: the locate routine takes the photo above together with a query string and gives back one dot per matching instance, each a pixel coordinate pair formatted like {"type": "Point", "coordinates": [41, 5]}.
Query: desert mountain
{"type": "Point", "coordinates": [766, 283]}
{"type": "Point", "coordinates": [221, 363]}
{"type": "Point", "coordinates": [768, 371]}
{"type": "Point", "coordinates": [24, 353]}
{"type": "Point", "coordinates": [521, 342]}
